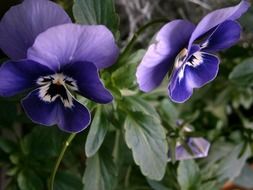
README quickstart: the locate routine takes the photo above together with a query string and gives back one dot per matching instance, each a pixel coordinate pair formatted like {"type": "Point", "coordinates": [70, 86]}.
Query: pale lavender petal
{"type": "Point", "coordinates": [217, 17]}
{"type": "Point", "coordinates": [161, 55]}
{"type": "Point", "coordinates": [17, 76]}
{"type": "Point", "coordinates": [71, 43]}
{"type": "Point", "coordinates": [87, 78]}
{"type": "Point", "coordinates": [198, 146]}
{"type": "Point", "coordinates": [226, 35]}
{"type": "Point", "coordinates": [22, 23]}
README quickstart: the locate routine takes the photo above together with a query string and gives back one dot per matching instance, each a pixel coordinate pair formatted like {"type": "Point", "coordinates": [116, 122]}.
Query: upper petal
{"type": "Point", "coordinates": [225, 36]}
{"type": "Point", "coordinates": [22, 23]}
{"type": "Point", "coordinates": [16, 76]}
{"type": "Point", "coordinates": [160, 55]}
{"type": "Point", "coordinates": [70, 43]}
{"type": "Point", "coordinates": [217, 17]}
{"type": "Point", "coordinates": [87, 78]}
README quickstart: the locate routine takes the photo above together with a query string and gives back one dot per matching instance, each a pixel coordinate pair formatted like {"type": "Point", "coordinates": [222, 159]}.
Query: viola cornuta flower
{"type": "Point", "coordinates": [189, 50]}
{"type": "Point", "coordinates": [63, 61]}
{"type": "Point", "coordinates": [22, 23]}
{"type": "Point", "coordinates": [199, 148]}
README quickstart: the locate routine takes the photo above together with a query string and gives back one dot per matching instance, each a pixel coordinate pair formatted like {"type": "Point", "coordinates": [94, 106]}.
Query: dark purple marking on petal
{"type": "Point", "coordinates": [226, 35]}
{"type": "Point", "coordinates": [160, 56]}
{"type": "Point", "coordinates": [22, 23]}
{"type": "Point", "coordinates": [69, 43]}
{"type": "Point", "coordinates": [217, 17]}
{"type": "Point", "coordinates": [72, 120]}
{"type": "Point", "coordinates": [17, 76]}
{"type": "Point", "coordinates": [88, 82]}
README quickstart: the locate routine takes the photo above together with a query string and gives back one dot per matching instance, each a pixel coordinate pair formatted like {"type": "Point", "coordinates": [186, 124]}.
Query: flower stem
{"type": "Point", "coordinates": [58, 161]}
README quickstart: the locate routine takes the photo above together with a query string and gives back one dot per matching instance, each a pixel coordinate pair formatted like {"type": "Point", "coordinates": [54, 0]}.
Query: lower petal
{"type": "Point", "coordinates": [179, 91]}
{"type": "Point", "coordinates": [73, 119]}
{"type": "Point", "coordinates": [38, 111]}
{"type": "Point", "coordinates": [202, 71]}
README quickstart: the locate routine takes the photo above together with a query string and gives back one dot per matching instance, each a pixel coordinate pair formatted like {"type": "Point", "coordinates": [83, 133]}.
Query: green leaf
{"type": "Point", "coordinates": [124, 76]}
{"type": "Point", "coordinates": [67, 181]}
{"type": "Point", "coordinates": [96, 12]}
{"type": "Point", "coordinates": [28, 180]}
{"type": "Point", "coordinates": [231, 165]}
{"type": "Point", "coordinates": [98, 130]}
{"type": "Point", "coordinates": [156, 185]}
{"type": "Point", "coordinates": [169, 113]}
{"type": "Point", "coordinates": [188, 175]}
{"type": "Point", "coordinates": [146, 137]}
{"type": "Point", "coordinates": [100, 173]}
{"type": "Point", "coordinates": [43, 142]}
{"type": "Point", "coordinates": [7, 146]}
{"type": "Point", "coordinates": [245, 179]}
{"type": "Point", "coordinates": [243, 73]}
{"type": "Point", "coordinates": [138, 104]}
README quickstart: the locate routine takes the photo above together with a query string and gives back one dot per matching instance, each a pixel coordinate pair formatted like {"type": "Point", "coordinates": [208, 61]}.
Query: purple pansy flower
{"type": "Point", "coordinates": [63, 61]}
{"type": "Point", "coordinates": [189, 49]}
{"type": "Point", "coordinates": [199, 149]}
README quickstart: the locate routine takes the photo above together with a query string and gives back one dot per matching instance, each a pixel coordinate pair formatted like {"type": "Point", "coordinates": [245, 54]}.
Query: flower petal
{"type": "Point", "coordinates": [199, 147]}
{"type": "Point", "coordinates": [40, 112]}
{"type": "Point", "coordinates": [72, 120]}
{"type": "Point", "coordinates": [161, 55]}
{"type": "Point", "coordinates": [70, 43]}
{"type": "Point", "coordinates": [217, 17]}
{"type": "Point", "coordinates": [87, 78]}
{"type": "Point", "coordinates": [202, 70]}
{"type": "Point", "coordinates": [225, 36]}
{"type": "Point", "coordinates": [198, 71]}
{"type": "Point", "coordinates": [22, 23]}
{"type": "Point", "coordinates": [17, 76]}
{"type": "Point", "coordinates": [179, 90]}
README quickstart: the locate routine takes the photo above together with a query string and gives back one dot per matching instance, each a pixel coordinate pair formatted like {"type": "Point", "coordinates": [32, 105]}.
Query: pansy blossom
{"type": "Point", "coordinates": [55, 60]}
{"type": "Point", "coordinates": [189, 51]}
{"type": "Point", "coordinates": [199, 148]}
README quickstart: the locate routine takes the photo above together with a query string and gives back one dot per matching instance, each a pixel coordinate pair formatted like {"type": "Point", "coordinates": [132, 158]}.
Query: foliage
{"type": "Point", "coordinates": [126, 145]}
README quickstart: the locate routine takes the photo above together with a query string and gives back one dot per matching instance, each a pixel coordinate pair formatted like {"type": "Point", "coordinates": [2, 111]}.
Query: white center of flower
{"type": "Point", "coordinates": [57, 86]}
{"type": "Point", "coordinates": [182, 60]}
{"type": "Point", "coordinates": [179, 61]}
